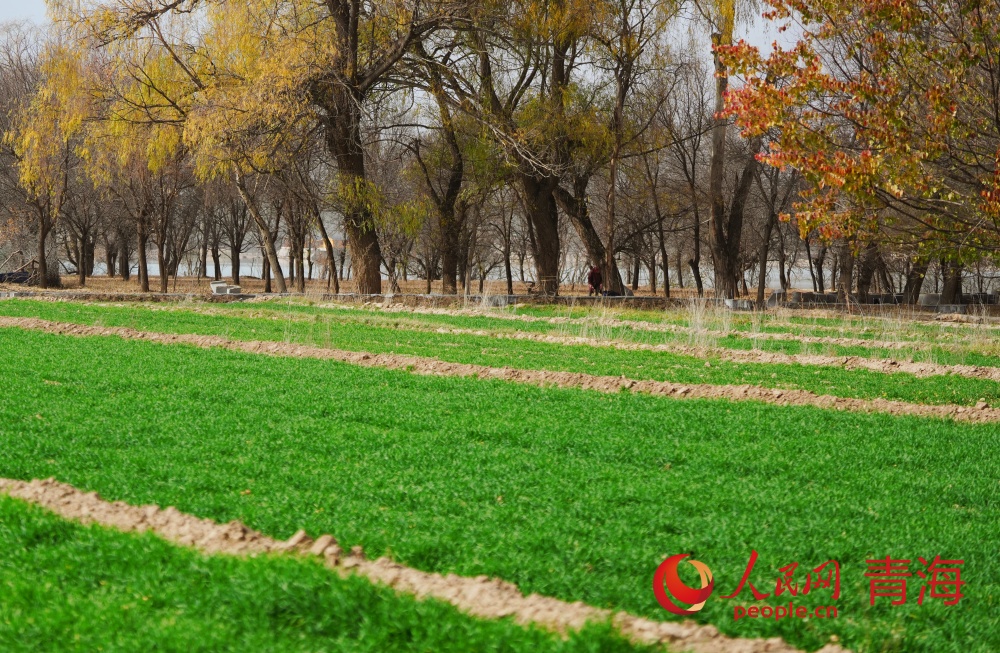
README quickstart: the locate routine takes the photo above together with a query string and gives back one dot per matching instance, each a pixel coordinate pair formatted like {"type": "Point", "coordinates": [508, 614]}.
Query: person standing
{"type": "Point", "coordinates": [596, 281]}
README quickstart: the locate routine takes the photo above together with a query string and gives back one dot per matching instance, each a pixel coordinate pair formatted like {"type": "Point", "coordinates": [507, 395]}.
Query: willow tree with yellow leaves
{"type": "Point", "coordinates": [145, 172]}
{"type": "Point", "coordinates": [245, 79]}
{"type": "Point", "coordinates": [45, 138]}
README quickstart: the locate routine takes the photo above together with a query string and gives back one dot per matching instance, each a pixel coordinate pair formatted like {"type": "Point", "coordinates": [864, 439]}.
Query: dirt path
{"type": "Point", "coordinates": [982, 413]}
{"type": "Point", "coordinates": [480, 596]}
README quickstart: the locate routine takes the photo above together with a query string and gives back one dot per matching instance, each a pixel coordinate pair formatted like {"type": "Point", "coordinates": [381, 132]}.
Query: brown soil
{"type": "Point", "coordinates": [982, 413]}
{"type": "Point", "coordinates": [481, 596]}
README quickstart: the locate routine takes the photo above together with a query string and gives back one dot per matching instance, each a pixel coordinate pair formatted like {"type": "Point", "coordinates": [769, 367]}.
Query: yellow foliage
{"type": "Point", "coordinates": [45, 134]}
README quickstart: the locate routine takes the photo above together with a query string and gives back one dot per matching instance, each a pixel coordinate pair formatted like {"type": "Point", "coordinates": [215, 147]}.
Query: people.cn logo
{"type": "Point", "coordinates": [666, 580]}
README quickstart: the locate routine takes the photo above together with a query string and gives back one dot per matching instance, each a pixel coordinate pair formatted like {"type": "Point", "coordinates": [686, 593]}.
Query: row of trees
{"type": "Point", "coordinates": [454, 140]}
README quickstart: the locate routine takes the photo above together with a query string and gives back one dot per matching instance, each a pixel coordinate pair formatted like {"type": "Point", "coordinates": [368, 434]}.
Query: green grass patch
{"type": "Point", "coordinates": [67, 587]}
{"type": "Point", "coordinates": [568, 493]}
{"type": "Point", "coordinates": [379, 337]}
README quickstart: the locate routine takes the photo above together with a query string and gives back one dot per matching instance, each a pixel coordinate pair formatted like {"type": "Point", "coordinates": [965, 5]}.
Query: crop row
{"type": "Point", "coordinates": [67, 587]}
{"type": "Point", "coordinates": [331, 332]}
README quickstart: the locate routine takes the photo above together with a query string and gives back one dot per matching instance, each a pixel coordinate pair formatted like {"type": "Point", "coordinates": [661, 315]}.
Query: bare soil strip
{"type": "Point", "coordinates": [981, 413]}
{"type": "Point", "coordinates": [481, 596]}
{"type": "Point", "coordinates": [886, 366]}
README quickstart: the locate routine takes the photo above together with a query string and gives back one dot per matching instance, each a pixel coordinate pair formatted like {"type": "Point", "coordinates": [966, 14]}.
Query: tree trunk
{"type": "Point", "coordinates": [951, 291]}
{"type": "Point", "coordinates": [266, 274]}
{"type": "Point", "coordinates": [81, 265]}
{"type": "Point", "coordinates": [452, 218]}
{"type": "Point", "coordinates": [451, 208]}
{"type": "Point", "coordinates": [462, 264]}
{"type": "Point", "coordinates": [680, 270]}
{"type": "Point", "coordinates": [109, 260]}
{"type": "Point", "coordinates": [914, 281]}
{"type": "Point", "coordinates": [727, 231]}
{"type": "Point", "coordinates": [725, 273]}
{"type": "Point", "coordinates": [866, 272]}
{"type": "Point", "coordinates": [343, 139]}
{"type": "Point", "coordinates": [217, 263]}
{"type": "Point", "coordinates": [203, 258]}
{"type": "Point", "coordinates": [506, 264]}
{"type": "Point", "coordinates": [330, 256]}
{"type": "Point", "coordinates": [846, 272]}
{"type": "Point", "coordinates": [300, 277]}
{"type": "Point", "coordinates": [344, 272]}
{"type": "Point", "coordinates": [762, 259]}
{"type": "Point", "coordinates": [142, 243]}
{"type": "Point", "coordinates": [163, 264]}
{"type": "Point", "coordinates": [265, 232]}
{"type": "Point", "coordinates": [782, 274]}
{"type": "Point", "coordinates": [125, 265]}
{"type": "Point", "coordinates": [666, 261]}
{"type": "Point", "coordinates": [695, 261]}
{"type": "Point", "coordinates": [576, 209]}
{"type": "Point", "coordinates": [885, 282]}
{"type": "Point", "coordinates": [44, 228]}
{"type": "Point", "coordinates": [816, 268]}
{"type": "Point", "coordinates": [543, 222]}
{"type": "Point", "coordinates": [234, 258]}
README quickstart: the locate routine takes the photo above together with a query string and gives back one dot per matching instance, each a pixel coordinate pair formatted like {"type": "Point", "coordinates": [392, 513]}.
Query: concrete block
{"type": "Point", "coordinates": [739, 304]}
{"type": "Point", "coordinates": [234, 290]}
{"type": "Point", "coordinates": [218, 287]}
{"type": "Point", "coordinates": [929, 299]}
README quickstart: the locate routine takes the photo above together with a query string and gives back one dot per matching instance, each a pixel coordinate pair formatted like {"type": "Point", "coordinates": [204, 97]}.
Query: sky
{"type": "Point", "coordinates": [34, 10]}
{"type": "Point", "coordinates": [22, 9]}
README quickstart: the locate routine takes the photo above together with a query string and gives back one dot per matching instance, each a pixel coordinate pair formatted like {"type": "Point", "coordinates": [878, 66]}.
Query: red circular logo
{"type": "Point", "coordinates": [666, 580]}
